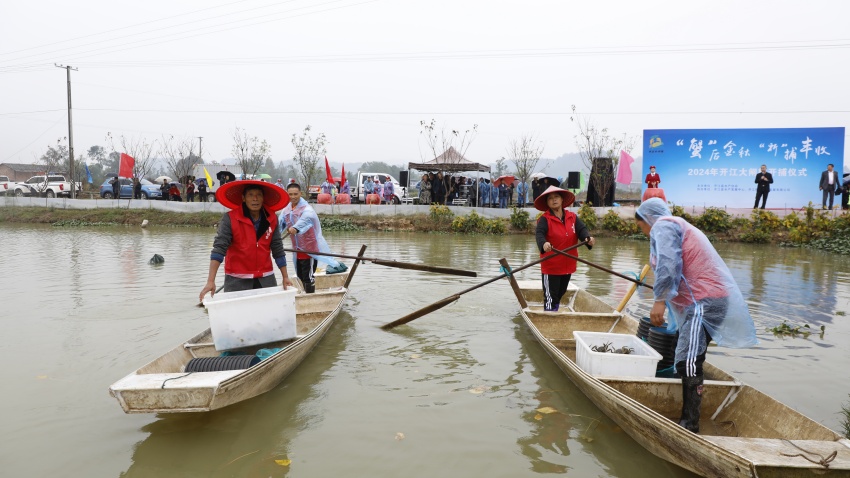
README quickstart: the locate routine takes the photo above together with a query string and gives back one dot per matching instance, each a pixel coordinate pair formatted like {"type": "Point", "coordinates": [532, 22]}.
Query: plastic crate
{"type": "Point", "coordinates": [251, 317]}
{"type": "Point", "coordinates": [640, 363]}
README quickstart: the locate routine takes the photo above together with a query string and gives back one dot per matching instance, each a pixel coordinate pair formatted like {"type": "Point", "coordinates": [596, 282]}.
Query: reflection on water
{"type": "Point", "coordinates": [454, 393]}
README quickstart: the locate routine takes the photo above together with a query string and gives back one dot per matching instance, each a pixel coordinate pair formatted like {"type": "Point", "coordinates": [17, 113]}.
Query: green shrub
{"type": "Point", "coordinates": [845, 422]}
{"type": "Point", "coordinates": [791, 221]}
{"type": "Point", "coordinates": [495, 226]}
{"type": "Point", "coordinates": [714, 220]}
{"type": "Point", "coordinates": [588, 216]}
{"type": "Point", "coordinates": [765, 220]}
{"type": "Point", "coordinates": [441, 214]}
{"type": "Point", "coordinates": [757, 236]}
{"type": "Point", "coordinates": [519, 219]}
{"type": "Point", "coordinates": [611, 221]}
{"type": "Point", "coordinates": [338, 224]}
{"type": "Point", "coordinates": [475, 224]}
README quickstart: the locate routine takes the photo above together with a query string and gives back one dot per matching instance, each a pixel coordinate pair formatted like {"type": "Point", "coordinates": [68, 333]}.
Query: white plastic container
{"type": "Point", "coordinates": [640, 363]}
{"type": "Point", "coordinates": [251, 317]}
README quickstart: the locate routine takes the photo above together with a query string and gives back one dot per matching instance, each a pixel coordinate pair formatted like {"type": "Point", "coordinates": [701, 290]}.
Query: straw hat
{"type": "Point", "coordinates": [230, 195]}
{"type": "Point", "coordinates": [540, 202]}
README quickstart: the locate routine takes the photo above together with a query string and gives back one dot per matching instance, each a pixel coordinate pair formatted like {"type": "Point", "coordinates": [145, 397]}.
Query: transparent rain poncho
{"type": "Point", "coordinates": [695, 283]}
{"type": "Point", "coordinates": [309, 238]}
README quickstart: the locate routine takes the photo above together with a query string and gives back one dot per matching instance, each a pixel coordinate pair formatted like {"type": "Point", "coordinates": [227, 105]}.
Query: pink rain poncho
{"type": "Point", "coordinates": [696, 284]}
{"type": "Point", "coordinates": [309, 238]}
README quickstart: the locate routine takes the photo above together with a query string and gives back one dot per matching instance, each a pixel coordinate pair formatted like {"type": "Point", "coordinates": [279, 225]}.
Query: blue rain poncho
{"type": "Point", "coordinates": [695, 283]}
{"type": "Point", "coordinates": [309, 238]}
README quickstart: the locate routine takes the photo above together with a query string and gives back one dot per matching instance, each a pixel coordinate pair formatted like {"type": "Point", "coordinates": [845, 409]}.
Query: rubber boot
{"type": "Point", "coordinates": [691, 401]}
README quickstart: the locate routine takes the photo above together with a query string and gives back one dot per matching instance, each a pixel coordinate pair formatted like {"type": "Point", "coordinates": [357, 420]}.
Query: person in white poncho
{"type": "Point", "coordinates": [696, 286]}
{"type": "Point", "coordinates": [305, 230]}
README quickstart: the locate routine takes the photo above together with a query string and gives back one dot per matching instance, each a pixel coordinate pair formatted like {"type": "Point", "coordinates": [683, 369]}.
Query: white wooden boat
{"type": "Point", "coordinates": [162, 386]}
{"type": "Point", "coordinates": [743, 432]}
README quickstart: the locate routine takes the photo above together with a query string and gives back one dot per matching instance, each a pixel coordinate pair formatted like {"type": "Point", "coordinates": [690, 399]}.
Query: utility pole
{"type": "Point", "coordinates": [201, 148]}
{"type": "Point", "coordinates": [70, 132]}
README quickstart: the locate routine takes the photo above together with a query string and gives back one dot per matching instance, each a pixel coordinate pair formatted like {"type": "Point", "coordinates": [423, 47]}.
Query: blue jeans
{"type": "Point", "coordinates": [503, 203]}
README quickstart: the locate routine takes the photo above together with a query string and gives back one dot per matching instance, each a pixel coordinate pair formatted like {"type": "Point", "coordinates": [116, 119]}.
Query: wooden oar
{"type": "Point", "coordinates": [448, 300]}
{"type": "Point", "coordinates": [632, 289]}
{"type": "Point", "coordinates": [396, 264]}
{"type": "Point", "coordinates": [628, 296]}
{"type": "Point", "coordinates": [584, 261]}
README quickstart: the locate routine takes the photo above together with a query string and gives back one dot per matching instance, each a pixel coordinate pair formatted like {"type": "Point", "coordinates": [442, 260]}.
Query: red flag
{"type": "Point", "coordinates": [329, 176]}
{"type": "Point", "coordinates": [342, 177]}
{"type": "Point", "coordinates": [624, 169]}
{"type": "Point", "coordinates": [126, 165]}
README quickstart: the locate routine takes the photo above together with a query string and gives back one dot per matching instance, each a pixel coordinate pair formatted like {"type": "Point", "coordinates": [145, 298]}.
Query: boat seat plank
{"type": "Point", "coordinates": [766, 452]}
{"type": "Point", "coordinates": [148, 381]}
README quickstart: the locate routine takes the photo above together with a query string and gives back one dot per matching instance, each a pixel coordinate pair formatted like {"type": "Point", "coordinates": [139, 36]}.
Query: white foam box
{"type": "Point", "coordinates": [640, 363]}
{"type": "Point", "coordinates": [251, 317]}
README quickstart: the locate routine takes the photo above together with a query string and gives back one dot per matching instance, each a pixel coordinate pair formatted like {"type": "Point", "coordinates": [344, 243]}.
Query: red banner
{"type": "Point", "coordinates": [126, 165]}
{"type": "Point", "coordinates": [342, 176]}
{"type": "Point", "coordinates": [329, 176]}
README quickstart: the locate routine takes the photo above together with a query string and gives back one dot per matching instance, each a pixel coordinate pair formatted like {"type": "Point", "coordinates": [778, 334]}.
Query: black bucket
{"type": "Point", "coordinates": [643, 328]}
{"type": "Point", "coordinates": [218, 364]}
{"type": "Point", "coordinates": [664, 343]}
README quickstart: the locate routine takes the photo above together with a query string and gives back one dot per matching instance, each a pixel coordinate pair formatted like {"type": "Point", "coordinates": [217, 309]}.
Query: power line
{"type": "Point", "coordinates": [113, 49]}
{"type": "Point", "coordinates": [293, 112]}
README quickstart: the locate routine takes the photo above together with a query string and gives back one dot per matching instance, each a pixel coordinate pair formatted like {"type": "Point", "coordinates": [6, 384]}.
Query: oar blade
{"type": "Point", "coordinates": [419, 313]}
{"type": "Point", "coordinates": [426, 268]}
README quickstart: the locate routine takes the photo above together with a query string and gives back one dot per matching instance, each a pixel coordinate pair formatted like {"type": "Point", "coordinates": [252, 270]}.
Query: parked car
{"type": "Point", "coordinates": [6, 186]}
{"type": "Point", "coordinates": [52, 185]}
{"type": "Point", "coordinates": [149, 190]}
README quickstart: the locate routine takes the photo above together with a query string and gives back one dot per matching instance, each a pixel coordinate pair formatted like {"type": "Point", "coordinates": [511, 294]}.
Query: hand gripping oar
{"type": "Point", "coordinates": [396, 264]}
{"type": "Point", "coordinates": [448, 300]}
{"type": "Point", "coordinates": [584, 261]}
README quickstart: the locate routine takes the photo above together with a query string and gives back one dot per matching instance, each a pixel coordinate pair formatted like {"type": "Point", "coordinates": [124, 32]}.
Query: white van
{"type": "Point", "coordinates": [358, 194]}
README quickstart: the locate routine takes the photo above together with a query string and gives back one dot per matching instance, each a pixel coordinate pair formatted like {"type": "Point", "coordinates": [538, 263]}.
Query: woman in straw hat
{"type": "Point", "coordinates": [246, 235]}
{"type": "Point", "coordinates": [557, 228]}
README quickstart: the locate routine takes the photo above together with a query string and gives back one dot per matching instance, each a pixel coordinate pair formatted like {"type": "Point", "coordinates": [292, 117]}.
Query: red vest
{"type": "Point", "coordinates": [561, 235]}
{"type": "Point", "coordinates": [247, 257]}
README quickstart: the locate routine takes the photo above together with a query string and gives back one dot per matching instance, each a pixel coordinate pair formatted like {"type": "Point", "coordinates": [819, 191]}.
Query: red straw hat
{"type": "Point", "coordinates": [230, 195]}
{"type": "Point", "coordinates": [540, 202]}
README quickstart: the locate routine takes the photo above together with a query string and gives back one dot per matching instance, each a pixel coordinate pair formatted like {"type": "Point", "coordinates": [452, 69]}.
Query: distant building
{"type": "Point", "coordinates": [21, 171]}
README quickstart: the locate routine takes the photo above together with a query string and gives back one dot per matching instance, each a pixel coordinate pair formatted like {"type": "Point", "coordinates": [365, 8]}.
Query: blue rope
{"type": "Point", "coordinates": [505, 271]}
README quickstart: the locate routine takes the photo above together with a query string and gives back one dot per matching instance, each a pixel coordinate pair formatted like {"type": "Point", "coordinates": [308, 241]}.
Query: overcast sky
{"type": "Point", "coordinates": [366, 72]}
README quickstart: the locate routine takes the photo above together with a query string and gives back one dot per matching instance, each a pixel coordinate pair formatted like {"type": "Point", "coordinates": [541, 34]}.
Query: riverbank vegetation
{"type": "Point", "coordinates": [809, 227]}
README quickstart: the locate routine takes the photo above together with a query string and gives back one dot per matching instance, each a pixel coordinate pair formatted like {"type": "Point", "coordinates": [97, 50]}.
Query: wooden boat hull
{"type": "Point", "coordinates": [773, 436]}
{"type": "Point", "coordinates": [162, 387]}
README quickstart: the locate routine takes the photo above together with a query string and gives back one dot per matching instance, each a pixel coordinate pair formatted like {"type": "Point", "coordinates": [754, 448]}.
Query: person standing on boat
{"type": "Point", "coordinates": [246, 235]}
{"type": "Point", "coordinates": [302, 223]}
{"type": "Point", "coordinates": [705, 303]}
{"type": "Point", "coordinates": [558, 228]}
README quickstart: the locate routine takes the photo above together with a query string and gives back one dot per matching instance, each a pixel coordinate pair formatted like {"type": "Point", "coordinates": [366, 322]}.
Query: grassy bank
{"type": "Point", "coordinates": [810, 228]}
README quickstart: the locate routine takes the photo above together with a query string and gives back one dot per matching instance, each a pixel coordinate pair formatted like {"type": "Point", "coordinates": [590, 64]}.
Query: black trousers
{"type": "Point", "coordinates": [763, 196]}
{"type": "Point", "coordinates": [304, 269]}
{"type": "Point", "coordinates": [233, 284]}
{"type": "Point", "coordinates": [830, 194]}
{"type": "Point", "coordinates": [554, 288]}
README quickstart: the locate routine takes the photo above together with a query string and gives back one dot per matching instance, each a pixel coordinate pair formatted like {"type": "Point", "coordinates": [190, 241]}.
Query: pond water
{"type": "Point", "coordinates": [453, 393]}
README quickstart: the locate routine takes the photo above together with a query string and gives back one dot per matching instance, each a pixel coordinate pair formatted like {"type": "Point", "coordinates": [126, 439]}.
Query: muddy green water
{"type": "Point", "coordinates": [453, 394]}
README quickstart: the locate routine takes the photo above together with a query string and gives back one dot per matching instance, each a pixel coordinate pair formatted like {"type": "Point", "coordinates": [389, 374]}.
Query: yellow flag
{"type": "Point", "coordinates": [209, 179]}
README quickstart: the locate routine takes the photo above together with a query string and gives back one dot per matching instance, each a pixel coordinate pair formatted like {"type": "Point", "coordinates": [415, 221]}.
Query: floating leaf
{"type": "Point", "coordinates": [547, 410]}
{"type": "Point", "coordinates": [283, 462]}
{"type": "Point", "coordinates": [415, 356]}
{"type": "Point", "coordinates": [399, 436]}
{"type": "Point", "coordinates": [479, 389]}
{"type": "Point", "coordinates": [538, 417]}
{"type": "Point", "coordinates": [41, 377]}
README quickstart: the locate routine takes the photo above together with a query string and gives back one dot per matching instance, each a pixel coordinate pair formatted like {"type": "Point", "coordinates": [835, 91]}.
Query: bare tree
{"type": "Point", "coordinates": [452, 143]}
{"type": "Point", "coordinates": [500, 167]}
{"type": "Point", "coordinates": [308, 152]}
{"type": "Point", "coordinates": [599, 152]}
{"type": "Point", "coordinates": [178, 157]}
{"type": "Point", "coordinates": [525, 153]}
{"type": "Point", "coordinates": [139, 148]}
{"type": "Point", "coordinates": [251, 153]}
